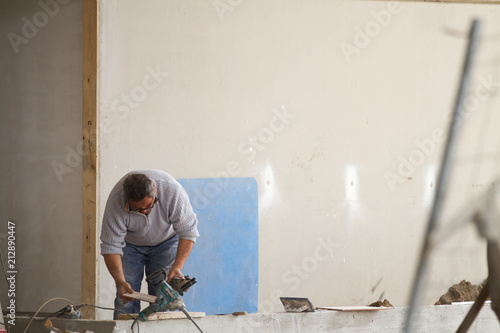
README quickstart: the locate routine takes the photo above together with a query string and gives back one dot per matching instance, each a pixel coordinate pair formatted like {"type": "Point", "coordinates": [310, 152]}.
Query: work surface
{"type": "Point", "coordinates": [443, 318]}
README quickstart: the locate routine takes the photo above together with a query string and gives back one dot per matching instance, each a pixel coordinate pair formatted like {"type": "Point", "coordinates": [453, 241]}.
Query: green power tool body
{"type": "Point", "coordinates": [167, 298]}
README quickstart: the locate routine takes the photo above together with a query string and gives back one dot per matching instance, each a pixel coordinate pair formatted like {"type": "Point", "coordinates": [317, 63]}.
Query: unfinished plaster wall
{"type": "Point", "coordinates": [40, 128]}
{"type": "Point", "coordinates": [321, 102]}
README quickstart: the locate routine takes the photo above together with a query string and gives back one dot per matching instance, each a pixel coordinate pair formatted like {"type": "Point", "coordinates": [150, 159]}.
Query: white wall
{"type": "Point", "coordinates": [228, 68]}
{"type": "Point", "coordinates": [40, 128]}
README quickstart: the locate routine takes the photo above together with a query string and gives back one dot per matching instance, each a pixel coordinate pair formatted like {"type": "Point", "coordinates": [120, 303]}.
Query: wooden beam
{"type": "Point", "coordinates": [141, 297]}
{"type": "Point", "coordinates": [163, 315]}
{"type": "Point", "coordinates": [90, 156]}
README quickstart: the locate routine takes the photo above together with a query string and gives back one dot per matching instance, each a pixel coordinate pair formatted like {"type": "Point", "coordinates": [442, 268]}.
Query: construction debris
{"type": "Point", "coordinates": [297, 304]}
{"type": "Point", "coordinates": [52, 329]}
{"type": "Point", "coordinates": [384, 303]}
{"type": "Point", "coordinates": [462, 292]}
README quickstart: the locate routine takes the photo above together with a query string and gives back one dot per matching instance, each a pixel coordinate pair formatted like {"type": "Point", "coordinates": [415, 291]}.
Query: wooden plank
{"type": "Point", "coordinates": [165, 315]}
{"type": "Point", "coordinates": [90, 161]}
{"type": "Point", "coordinates": [141, 297]}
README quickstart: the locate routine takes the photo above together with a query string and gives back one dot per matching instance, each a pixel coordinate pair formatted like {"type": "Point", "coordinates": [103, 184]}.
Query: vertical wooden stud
{"type": "Point", "coordinates": [90, 155]}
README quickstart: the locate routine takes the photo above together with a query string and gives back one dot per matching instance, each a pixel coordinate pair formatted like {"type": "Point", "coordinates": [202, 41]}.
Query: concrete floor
{"type": "Point", "coordinates": [432, 319]}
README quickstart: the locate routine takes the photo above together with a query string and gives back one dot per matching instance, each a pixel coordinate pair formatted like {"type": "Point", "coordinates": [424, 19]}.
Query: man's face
{"type": "Point", "coordinates": [143, 206]}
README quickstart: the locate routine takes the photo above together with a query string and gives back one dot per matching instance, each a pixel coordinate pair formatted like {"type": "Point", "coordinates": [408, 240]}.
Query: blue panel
{"type": "Point", "coordinates": [224, 260]}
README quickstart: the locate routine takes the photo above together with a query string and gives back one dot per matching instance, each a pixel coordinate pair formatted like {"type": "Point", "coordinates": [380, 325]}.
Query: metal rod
{"type": "Point", "coordinates": [444, 173]}
{"type": "Point", "coordinates": [191, 318]}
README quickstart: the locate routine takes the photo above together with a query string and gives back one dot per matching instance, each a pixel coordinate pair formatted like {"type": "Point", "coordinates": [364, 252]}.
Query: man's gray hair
{"type": "Point", "coordinates": [137, 186]}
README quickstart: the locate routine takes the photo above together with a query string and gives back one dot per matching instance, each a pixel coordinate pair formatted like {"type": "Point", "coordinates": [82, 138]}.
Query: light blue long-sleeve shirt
{"type": "Point", "coordinates": [173, 214]}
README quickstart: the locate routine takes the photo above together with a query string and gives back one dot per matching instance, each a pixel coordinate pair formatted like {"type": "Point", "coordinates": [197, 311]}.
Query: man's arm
{"type": "Point", "coordinates": [183, 250]}
{"type": "Point", "coordinates": [115, 268]}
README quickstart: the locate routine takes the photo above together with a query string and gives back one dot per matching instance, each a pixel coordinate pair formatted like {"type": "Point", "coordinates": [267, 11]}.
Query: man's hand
{"type": "Point", "coordinates": [174, 272]}
{"type": "Point", "coordinates": [114, 264]}
{"type": "Point", "coordinates": [124, 287]}
{"type": "Point", "coordinates": [183, 250]}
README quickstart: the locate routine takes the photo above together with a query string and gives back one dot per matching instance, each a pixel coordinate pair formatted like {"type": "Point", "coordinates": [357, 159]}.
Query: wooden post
{"type": "Point", "coordinates": [90, 155]}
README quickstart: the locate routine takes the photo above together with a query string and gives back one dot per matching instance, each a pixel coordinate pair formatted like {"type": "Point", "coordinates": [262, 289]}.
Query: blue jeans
{"type": "Point", "coordinates": [135, 260]}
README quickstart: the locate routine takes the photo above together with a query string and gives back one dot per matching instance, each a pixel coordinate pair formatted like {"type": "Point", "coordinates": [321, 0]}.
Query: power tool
{"type": "Point", "coordinates": [166, 296]}
{"type": "Point", "coordinates": [182, 285]}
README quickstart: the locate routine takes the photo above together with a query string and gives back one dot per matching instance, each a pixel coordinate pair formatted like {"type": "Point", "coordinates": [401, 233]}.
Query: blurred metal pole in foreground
{"type": "Point", "coordinates": [444, 173]}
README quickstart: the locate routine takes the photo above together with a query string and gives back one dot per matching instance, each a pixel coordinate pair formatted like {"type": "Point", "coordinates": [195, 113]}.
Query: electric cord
{"type": "Point", "coordinates": [3, 268]}
{"type": "Point", "coordinates": [136, 321]}
{"type": "Point", "coordinates": [41, 307]}
{"type": "Point", "coordinates": [7, 326]}
{"type": "Point", "coordinates": [65, 309]}
{"type": "Point", "coordinates": [113, 309]}
{"type": "Point", "coordinates": [76, 307]}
